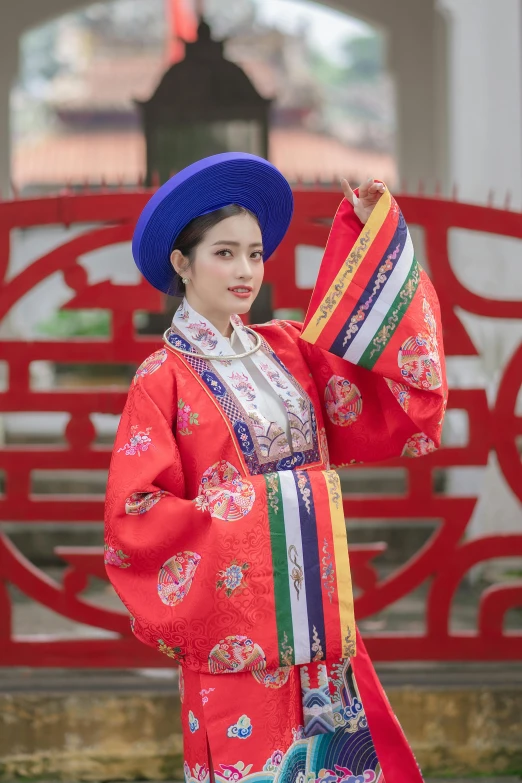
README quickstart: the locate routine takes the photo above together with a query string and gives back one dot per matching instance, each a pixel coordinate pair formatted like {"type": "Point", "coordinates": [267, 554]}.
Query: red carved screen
{"type": "Point", "coordinates": [441, 563]}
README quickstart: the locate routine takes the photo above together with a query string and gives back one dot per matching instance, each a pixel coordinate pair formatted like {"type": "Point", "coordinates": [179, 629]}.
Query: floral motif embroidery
{"type": "Point", "coordinates": [205, 694]}
{"type": "Point", "coordinates": [349, 645]}
{"type": "Point", "coordinates": [419, 359]}
{"type": "Point", "coordinates": [203, 334]}
{"type": "Point", "coordinates": [273, 491]}
{"type": "Point", "coordinates": [418, 446]}
{"type": "Point", "coordinates": [200, 773]}
{"type": "Point", "coordinates": [275, 761]}
{"type": "Point", "coordinates": [225, 493]}
{"type": "Point", "coordinates": [242, 729]}
{"type": "Point", "coordinates": [334, 487]}
{"type": "Point", "coordinates": [141, 502]}
{"type": "Point", "coordinates": [171, 652]}
{"type": "Point", "coordinates": [286, 653]}
{"type": "Point", "coordinates": [151, 364]}
{"type": "Point", "coordinates": [193, 722]}
{"type": "Point", "coordinates": [328, 571]}
{"type": "Point", "coordinates": [304, 489]}
{"type": "Point", "coordinates": [407, 292]}
{"type": "Point", "coordinates": [381, 278]}
{"type": "Point", "coordinates": [235, 654]}
{"type": "Point", "coordinates": [297, 733]}
{"type": "Point", "coordinates": [323, 445]}
{"type": "Point", "coordinates": [175, 577]}
{"type": "Point", "coordinates": [343, 401]}
{"type": "Point", "coordinates": [344, 775]}
{"type": "Point", "coordinates": [237, 771]}
{"type": "Point", "coordinates": [275, 377]}
{"type": "Point", "coordinates": [297, 574]}
{"type": "Point", "coordinates": [232, 577]}
{"type": "Point", "coordinates": [185, 418]}
{"type": "Point", "coordinates": [401, 392]}
{"type": "Point", "coordinates": [304, 433]}
{"type": "Point", "coordinates": [240, 382]}
{"type": "Point", "coordinates": [273, 679]}
{"type": "Point", "coordinates": [139, 441]}
{"type": "Point", "coordinates": [115, 557]}
{"type": "Point", "coordinates": [349, 267]}
{"type": "Point", "coordinates": [316, 647]}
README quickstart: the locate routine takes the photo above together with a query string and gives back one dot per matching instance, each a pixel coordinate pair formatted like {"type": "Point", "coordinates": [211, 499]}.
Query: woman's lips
{"type": "Point", "coordinates": [244, 294]}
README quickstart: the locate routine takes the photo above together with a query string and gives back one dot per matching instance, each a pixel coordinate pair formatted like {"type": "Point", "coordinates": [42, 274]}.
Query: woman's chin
{"type": "Point", "coordinates": [243, 306]}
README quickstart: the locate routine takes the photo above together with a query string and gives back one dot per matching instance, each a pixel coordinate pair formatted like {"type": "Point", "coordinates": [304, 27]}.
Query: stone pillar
{"type": "Point", "coordinates": [416, 36]}
{"type": "Point", "coordinates": [416, 46]}
{"type": "Point", "coordinates": [485, 54]}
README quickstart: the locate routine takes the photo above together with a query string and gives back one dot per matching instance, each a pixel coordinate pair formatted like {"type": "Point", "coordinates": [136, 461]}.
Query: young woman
{"type": "Point", "coordinates": [225, 531]}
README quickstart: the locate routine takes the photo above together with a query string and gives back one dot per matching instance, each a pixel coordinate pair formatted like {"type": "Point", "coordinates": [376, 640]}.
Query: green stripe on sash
{"type": "Point", "coordinates": [393, 318]}
{"type": "Point", "coordinates": [276, 521]}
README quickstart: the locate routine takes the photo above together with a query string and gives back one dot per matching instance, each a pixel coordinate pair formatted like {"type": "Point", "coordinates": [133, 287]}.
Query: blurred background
{"type": "Point", "coordinates": [99, 104]}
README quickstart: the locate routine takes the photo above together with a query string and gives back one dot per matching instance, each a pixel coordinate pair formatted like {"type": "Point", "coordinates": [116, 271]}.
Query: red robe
{"type": "Point", "coordinates": [227, 545]}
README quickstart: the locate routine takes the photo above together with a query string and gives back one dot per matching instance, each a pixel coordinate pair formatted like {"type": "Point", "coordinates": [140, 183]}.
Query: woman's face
{"type": "Point", "coordinates": [227, 271]}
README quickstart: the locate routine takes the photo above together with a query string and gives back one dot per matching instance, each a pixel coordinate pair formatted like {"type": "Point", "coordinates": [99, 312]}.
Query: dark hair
{"type": "Point", "coordinates": [193, 234]}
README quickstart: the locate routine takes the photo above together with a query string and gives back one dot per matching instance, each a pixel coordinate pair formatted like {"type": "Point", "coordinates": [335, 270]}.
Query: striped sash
{"type": "Point", "coordinates": [311, 570]}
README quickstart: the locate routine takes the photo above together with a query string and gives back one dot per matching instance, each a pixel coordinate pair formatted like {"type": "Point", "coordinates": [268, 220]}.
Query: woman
{"type": "Point", "coordinates": [225, 531]}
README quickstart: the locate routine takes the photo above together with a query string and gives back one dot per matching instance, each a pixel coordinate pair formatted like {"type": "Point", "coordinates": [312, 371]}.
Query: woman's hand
{"type": "Point", "coordinates": [369, 194]}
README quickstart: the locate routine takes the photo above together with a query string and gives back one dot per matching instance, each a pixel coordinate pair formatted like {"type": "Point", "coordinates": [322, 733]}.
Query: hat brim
{"type": "Point", "coordinates": [205, 186]}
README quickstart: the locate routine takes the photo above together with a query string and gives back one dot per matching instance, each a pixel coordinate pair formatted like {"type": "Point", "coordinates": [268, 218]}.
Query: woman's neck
{"type": "Point", "coordinates": [219, 320]}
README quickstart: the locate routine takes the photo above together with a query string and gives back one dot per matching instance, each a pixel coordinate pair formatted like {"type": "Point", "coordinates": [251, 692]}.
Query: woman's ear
{"type": "Point", "coordinates": [179, 262]}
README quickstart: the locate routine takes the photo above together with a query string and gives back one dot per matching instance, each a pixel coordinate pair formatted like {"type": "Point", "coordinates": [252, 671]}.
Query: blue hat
{"type": "Point", "coordinates": [207, 185]}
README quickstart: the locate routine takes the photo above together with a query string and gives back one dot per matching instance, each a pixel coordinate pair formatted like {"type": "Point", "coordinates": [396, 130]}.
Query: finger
{"type": "Point", "coordinates": [348, 192]}
{"type": "Point", "coordinates": [377, 187]}
{"type": "Point", "coordinates": [364, 188]}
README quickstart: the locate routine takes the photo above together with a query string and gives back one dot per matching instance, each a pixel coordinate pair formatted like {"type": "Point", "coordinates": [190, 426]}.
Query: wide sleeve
{"type": "Point", "coordinates": [373, 340]}
{"type": "Point", "coordinates": [154, 536]}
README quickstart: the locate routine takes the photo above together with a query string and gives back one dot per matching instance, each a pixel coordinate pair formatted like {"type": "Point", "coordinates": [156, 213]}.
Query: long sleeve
{"type": "Point", "coordinates": [150, 526]}
{"type": "Point", "coordinates": [373, 340]}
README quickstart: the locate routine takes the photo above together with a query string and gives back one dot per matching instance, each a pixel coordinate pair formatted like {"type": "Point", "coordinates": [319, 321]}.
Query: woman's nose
{"type": "Point", "coordinates": [245, 269]}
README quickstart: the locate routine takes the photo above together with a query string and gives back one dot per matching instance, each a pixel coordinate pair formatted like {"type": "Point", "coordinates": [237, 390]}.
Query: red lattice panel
{"type": "Point", "coordinates": [444, 561]}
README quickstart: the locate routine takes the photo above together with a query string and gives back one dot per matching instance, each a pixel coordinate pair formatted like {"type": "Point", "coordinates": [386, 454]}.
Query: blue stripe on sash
{"type": "Point", "coordinates": [370, 295]}
{"type": "Point", "coordinates": [312, 568]}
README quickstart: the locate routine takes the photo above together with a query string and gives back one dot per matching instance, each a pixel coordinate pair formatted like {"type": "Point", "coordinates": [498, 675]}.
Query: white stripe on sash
{"type": "Point", "coordinates": [293, 538]}
{"type": "Point", "coordinates": [381, 307]}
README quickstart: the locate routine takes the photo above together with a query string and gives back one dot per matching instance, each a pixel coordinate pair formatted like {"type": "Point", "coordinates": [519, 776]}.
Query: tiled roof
{"type": "Point", "coordinates": [120, 156]}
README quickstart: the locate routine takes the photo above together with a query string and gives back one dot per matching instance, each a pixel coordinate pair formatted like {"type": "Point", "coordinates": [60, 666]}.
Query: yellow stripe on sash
{"type": "Point", "coordinates": [342, 563]}
{"type": "Point", "coordinates": [344, 277]}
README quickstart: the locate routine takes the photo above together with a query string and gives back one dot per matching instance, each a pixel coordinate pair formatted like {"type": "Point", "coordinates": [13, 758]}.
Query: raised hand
{"type": "Point", "coordinates": [369, 194]}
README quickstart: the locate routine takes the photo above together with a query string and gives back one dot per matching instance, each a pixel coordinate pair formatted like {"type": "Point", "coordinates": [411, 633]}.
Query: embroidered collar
{"type": "Point", "coordinates": [202, 335]}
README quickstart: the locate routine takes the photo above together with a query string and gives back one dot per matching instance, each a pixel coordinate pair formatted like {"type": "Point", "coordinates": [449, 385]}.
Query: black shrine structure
{"type": "Point", "coordinates": [202, 106]}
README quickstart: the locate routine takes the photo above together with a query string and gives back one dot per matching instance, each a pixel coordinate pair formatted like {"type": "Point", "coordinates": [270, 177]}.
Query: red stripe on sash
{"type": "Point", "coordinates": [332, 620]}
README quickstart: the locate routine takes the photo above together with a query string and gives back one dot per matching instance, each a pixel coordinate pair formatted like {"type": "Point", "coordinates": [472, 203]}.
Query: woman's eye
{"type": "Point", "coordinates": [257, 256]}
{"type": "Point", "coordinates": [224, 253]}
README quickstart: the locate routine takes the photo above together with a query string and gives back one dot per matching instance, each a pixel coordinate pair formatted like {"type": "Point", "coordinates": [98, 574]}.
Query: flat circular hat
{"type": "Point", "coordinates": [207, 185]}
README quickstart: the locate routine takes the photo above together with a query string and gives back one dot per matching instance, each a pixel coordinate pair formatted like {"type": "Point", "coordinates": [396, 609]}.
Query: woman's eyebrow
{"type": "Point", "coordinates": [236, 244]}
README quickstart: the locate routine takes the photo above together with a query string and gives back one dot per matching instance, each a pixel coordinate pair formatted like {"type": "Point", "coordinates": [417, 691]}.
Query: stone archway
{"type": "Point", "coordinates": [416, 35]}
